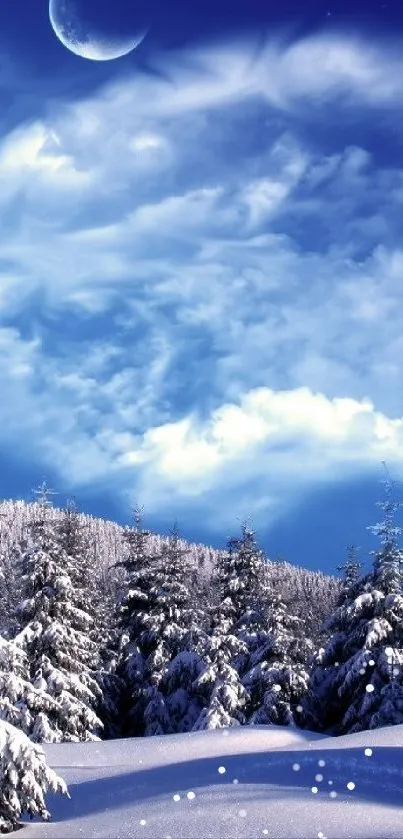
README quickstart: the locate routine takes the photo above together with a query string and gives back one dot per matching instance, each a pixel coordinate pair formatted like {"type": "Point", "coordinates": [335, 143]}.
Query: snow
{"type": "Point", "coordinates": [174, 786]}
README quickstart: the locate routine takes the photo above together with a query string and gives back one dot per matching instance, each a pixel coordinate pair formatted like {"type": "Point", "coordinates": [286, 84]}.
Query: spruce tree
{"type": "Point", "coordinates": [132, 623]}
{"type": "Point", "coordinates": [218, 688]}
{"type": "Point", "coordinates": [54, 631]}
{"type": "Point", "coordinates": [173, 626]}
{"type": "Point", "coordinates": [25, 779]}
{"type": "Point", "coordinates": [159, 623]}
{"type": "Point", "coordinates": [237, 629]}
{"type": "Point", "coordinates": [358, 681]}
{"type": "Point", "coordinates": [351, 573]}
{"type": "Point", "coordinates": [278, 677]}
{"type": "Point", "coordinates": [21, 704]}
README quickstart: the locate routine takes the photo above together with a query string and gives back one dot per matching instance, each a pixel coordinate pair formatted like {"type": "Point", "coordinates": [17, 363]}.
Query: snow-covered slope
{"type": "Point", "coordinates": [243, 782]}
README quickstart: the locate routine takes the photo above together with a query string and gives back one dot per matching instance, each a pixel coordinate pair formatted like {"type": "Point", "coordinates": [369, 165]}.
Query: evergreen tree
{"type": "Point", "coordinates": [25, 779]}
{"type": "Point", "coordinates": [55, 632]}
{"type": "Point", "coordinates": [132, 623]}
{"type": "Point", "coordinates": [158, 622]}
{"type": "Point", "coordinates": [278, 674]}
{"type": "Point", "coordinates": [241, 573]}
{"type": "Point", "coordinates": [237, 629]}
{"type": "Point", "coordinates": [351, 573]}
{"type": "Point", "coordinates": [21, 704]}
{"type": "Point", "coordinates": [218, 688]}
{"type": "Point", "coordinates": [358, 681]}
{"type": "Point", "coordinates": [173, 626]}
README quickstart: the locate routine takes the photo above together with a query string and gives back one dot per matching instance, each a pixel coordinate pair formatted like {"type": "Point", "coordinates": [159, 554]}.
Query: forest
{"type": "Point", "coordinates": [110, 632]}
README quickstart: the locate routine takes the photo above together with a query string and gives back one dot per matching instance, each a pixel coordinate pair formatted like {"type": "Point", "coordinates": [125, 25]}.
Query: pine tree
{"type": "Point", "coordinates": [237, 629]}
{"type": "Point", "coordinates": [358, 681]}
{"type": "Point", "coordinates": [25, 779]}
{"type": "Point", "coordinates": [218, 689]}
{"type": "Point", "coordinates": [132, 623]}
{"type": "Point", "coordinates": [159, 623]}
{"type": "Point", "coordinates": [351, 573]}
{"type": "Point", "coordinates": [278, 676]}
{"type": "Point", "coordinates": [173, 626]}
{"type": "Point", "coordinates": [21, 704]}
{"type": "Point", "coordinates": [55, 631]}
{"type": "Point", "coordinates": [8, 583]}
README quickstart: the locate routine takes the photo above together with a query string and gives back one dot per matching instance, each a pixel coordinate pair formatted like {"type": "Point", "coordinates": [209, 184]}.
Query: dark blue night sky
{"type": "Point", "coordinates": [200, 264]}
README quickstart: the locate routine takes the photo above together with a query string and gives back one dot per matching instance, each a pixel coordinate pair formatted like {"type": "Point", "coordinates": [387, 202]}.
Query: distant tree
{"type": "Point", "coordinates": [25, 779]}
{"type": "Point", "coordinates": [351, 572]}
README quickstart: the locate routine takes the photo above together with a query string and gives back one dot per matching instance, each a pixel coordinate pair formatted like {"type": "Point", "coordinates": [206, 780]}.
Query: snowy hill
{"type": "Point", "coordinates": [238, 783]}
{"type": "Point", "coordinates": [313, 593]}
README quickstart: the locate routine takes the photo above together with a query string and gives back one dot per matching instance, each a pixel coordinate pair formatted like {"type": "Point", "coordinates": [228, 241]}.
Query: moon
{"type": "Point", "coordinates": [84, 27]}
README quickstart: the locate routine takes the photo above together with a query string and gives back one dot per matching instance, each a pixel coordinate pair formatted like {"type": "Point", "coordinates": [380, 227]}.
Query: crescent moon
{"type": "Point", "coordinates": [74, 35]}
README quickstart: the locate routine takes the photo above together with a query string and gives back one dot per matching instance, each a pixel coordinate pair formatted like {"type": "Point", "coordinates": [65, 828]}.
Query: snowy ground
{"type": "Point", "coordinates": [246, 782]}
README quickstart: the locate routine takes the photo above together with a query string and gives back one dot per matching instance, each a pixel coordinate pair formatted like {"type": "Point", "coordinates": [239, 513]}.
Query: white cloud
{"type": "Point", "coordinates": [250, 320]}
{"type": "Point", "coordinates": [293, 439]}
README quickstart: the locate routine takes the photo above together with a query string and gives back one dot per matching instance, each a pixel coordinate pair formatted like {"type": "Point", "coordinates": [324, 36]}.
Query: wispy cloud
{"type": "Point", "coordinates": [198, 288]}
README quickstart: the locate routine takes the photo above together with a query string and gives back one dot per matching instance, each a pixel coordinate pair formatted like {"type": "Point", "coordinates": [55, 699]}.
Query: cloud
{"type": "Point", "coordinates": [292, 437]}
{"type": "Point", "coordinates": [199, 292]}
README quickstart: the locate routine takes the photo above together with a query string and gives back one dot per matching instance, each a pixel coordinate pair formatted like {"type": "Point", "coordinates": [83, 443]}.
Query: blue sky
{"type": "Point", "coordinates": [201, 267]}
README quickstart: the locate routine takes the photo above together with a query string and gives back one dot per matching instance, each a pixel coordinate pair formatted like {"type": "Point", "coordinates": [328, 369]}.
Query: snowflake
{"type": "Point", "coordinates": [191, 795]}
{"type": "Point", "coordinates": [351, 785]}
{"type": "Point", "coordinates": [319, 778]}
{"type": "Point", "coordinates": [176, 797]}
{"type": "Point", "coordinates": [296, 767]}
{"type": "Point", "coordinates": [368, 752]}
{"type": "Point", "coordinates": [221, 770]}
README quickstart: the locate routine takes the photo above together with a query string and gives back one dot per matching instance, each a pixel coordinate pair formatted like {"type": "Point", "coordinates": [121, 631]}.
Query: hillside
{"type": "Point", "coordinates": [312, 593]}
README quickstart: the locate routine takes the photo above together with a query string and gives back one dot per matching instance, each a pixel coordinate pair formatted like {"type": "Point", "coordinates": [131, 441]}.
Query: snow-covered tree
{"type": "Point", "coordinates": [159, 622]}
{"type": "Point", "coordinates": [351, 573]}
{"type": "Point", "coordinates": [218, 688]}
{"type": "Point", "coordinates": [358, 681]}
{"type": "Point", "coordinates": [237, 627]}
{"type": "Point", "coordinates": [172, 627]}
{"type": "Point", "coordinates": [21, 704]}
{"type": "Point", "coordinates": [54, 633]}
{"type": "Point", "coordinates": [240, 578]}
{"type": "Point", "coordinates": [25, 778]}
{"type": "Point", "coordinates": [278, 676]}
{"type": "Point", "coordinates": [183, 700]}
{"type": "Point", "coordinates": [132, 623]}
